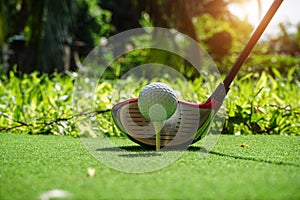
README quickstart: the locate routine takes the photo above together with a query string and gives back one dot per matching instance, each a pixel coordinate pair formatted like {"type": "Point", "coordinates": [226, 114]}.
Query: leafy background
{"type": "Point", "coordinates": [256, 104]}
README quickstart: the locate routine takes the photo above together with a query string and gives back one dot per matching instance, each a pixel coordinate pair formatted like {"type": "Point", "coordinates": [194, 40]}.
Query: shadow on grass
{"type": "Point", "coordinates": [140, 151]}
{"type": "Point", "coordinates": [193, 148]}
{"type": "Point", "coordinates": [147, 149]}
{"type": "Point", "coordinates": [134, 151]}
{"type": "Point", "coordinates": [254, 159]}
{"type": "Point", "coordinates": [127, 148]}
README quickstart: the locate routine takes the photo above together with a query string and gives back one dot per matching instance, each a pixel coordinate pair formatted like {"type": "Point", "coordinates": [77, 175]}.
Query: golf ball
{"type": "Point", "coordinates": [157, 102]}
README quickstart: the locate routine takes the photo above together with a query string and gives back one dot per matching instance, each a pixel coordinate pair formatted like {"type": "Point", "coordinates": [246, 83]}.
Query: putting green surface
{"type": "Point", "coordinates": [238, 167]}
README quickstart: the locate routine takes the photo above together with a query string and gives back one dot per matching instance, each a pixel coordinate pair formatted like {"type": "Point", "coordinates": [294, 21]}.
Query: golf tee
{"type": "Point", "coordinates": [157, 127]}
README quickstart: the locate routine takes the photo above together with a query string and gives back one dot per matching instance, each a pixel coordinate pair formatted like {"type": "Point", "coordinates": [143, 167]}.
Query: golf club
{"type": "Point", "coordinates": [191, 121]}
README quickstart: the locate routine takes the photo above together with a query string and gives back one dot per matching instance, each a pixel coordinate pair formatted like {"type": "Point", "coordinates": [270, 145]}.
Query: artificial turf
{"type": "Point", "coordinates": [266, 167]}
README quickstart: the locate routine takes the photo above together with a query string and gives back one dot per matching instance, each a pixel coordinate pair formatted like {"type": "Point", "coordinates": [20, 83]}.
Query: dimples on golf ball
{"type": "Point", "coordinates": [157, 102]}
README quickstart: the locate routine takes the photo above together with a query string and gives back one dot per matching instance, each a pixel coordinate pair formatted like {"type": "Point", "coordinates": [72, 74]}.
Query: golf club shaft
{"type": "Point", "coordinates": [251, 43]}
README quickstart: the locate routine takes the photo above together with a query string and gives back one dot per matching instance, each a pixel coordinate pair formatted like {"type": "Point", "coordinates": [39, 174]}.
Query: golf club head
{"type": "Point", "coordinates": [189, 123]}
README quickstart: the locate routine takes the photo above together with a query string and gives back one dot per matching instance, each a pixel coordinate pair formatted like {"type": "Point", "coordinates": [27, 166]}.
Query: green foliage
{"type": "Point", "coordinates": [90, 22]}
{"type": "Point", "coordinates": [263, 105]}
{"type": "Point", "coordinates": [276, 65]}
{"type": "Point", "coordinates": [139, 57]}
{"type": "Point", "coordinates": [36, 104]}
{"type": "Point", "coordinates": [256, 104]}
{"type": "Point", "coordinates": [207, 26]}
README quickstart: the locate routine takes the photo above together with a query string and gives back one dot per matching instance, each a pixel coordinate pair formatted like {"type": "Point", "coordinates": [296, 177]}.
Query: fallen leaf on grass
{"type": "Point", "coordinates": [244, 145]}
{"type": "Point", "coordinates": [91, 172]}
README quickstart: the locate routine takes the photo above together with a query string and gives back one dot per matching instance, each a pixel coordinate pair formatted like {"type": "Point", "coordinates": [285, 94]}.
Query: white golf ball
{"type": "Point", "coordinates": [157, 102]}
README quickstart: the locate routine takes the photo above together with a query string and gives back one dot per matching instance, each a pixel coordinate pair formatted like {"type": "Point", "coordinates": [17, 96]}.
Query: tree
{"type": "Point", "coordinates": [45, 27]}
{"type": "Point", "coordinates": [285, 43]}
{"type": "Point", "coordinates": [124, 14]}
{"type": "Point", "coordinates": [48, 28]}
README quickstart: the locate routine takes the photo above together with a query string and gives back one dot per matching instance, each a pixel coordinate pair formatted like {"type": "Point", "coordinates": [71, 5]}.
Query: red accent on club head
{"type": "Point", "coordinates": [211, 103]}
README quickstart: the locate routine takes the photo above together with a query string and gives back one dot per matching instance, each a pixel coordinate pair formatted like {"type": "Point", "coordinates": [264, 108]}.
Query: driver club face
{"type": "Point", "coordinates": [188, 124]}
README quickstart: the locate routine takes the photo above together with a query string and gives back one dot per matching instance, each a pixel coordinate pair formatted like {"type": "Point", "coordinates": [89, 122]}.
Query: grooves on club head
{"type": "Point", "coordinates": [189, 123]}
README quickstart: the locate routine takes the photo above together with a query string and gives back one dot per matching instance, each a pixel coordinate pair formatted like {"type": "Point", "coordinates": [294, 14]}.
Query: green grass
{"type": "Point", "coordinates": [268, 168]}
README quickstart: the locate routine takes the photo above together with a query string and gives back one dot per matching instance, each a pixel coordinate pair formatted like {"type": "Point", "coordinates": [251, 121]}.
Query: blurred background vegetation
{"type": "Point", "coordinates": [52, 36]}
{"type": "Point", "coordinates": [43, 37]}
